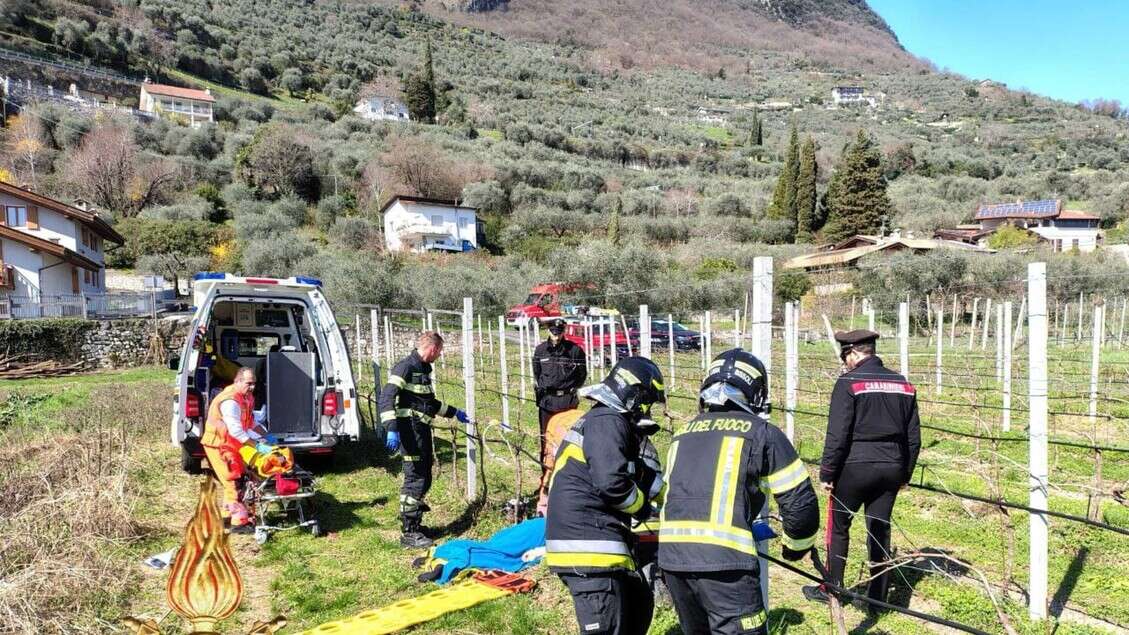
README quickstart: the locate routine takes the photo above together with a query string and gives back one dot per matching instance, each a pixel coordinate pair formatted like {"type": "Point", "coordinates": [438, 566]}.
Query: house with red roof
{"type": "Point", "coordinates": [1063, 229]}
{"type": "Point", "coordinates": [189, 106]}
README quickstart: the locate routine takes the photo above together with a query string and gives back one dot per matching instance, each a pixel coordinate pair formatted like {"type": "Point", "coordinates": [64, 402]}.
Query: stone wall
{"type": "Point", "coordinates": [124, 343]}
{"type": "Point", "coordinates": [95, 343]}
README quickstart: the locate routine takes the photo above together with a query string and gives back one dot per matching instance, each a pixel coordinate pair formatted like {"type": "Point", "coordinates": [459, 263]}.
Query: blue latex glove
{"type": "Point", "coordinates": [263, 448]}
{"type": "Point", "coordinates": [761, 531]}
{"type": "Point", "coordinates": [392, 441]}
{"type": "Point", "coordinates": [461, 417]}
{"type": "Point", "coordinates": [271, 439]}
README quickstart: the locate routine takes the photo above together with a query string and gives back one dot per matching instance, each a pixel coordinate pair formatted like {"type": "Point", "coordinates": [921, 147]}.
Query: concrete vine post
{"type": "Point", "coordinates": [374, 328]}
{"type": "Point", "coordinates": [503, 368]}
{"type": "Point", "coordinates": [1037, 433]}
{"type": "Point", "coordinates": [903, 338]}
{"type": "Point", "coordinates": [469, 408]}
{"type": "Point", "coordinates": [709, 339]}
{"type": "Point", "coordinates": [670, 347]}
{"type": "Point", "coordinates": [984, 327]}
{"type": "Point", "coordinates": [940, 344]}
{"type": "Point", "coordinates": [644, 331]}
{"type": "Point", "coordinates": [762, 348]}
{"type": "Point", "coordinates": [1005, 424]}
{"type": "Point", "coordinates": [972, 324]}
{"type": "Point", "coordinates": [1094, 512]}
{"type": "Point", "coordinates": [999, 342]}
{"type": "Point", "coordinates": [791, 365]}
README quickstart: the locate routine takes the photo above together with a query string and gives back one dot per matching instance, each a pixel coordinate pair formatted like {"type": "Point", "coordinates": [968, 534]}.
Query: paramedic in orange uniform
{"type": "Point", "coordinates": [232, 423]}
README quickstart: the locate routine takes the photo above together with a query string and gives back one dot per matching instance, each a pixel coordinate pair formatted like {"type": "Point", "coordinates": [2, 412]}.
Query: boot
{"type": "Point", "coordinates": [412, 537]}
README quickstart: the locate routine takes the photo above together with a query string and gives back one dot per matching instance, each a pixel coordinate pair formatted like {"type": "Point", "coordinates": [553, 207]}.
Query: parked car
{"type": "Point", "coordinates": [543, 302]}
{"type": "Point", "coordinates": [574, 332]}
{"type": "Point", "coordinates": [283, 328]}
{"type": "Point", "coordinates": [684, 338]}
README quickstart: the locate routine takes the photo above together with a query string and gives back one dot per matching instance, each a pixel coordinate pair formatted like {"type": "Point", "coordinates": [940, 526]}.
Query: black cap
{"type": "Point", "coordinates": [556, 326]}
{"type": "Point", "coordinates": [857, 336]}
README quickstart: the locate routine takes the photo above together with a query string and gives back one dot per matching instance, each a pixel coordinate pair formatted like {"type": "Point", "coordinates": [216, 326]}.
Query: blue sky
{"type": "Point", "coordinates": [1069, 50]}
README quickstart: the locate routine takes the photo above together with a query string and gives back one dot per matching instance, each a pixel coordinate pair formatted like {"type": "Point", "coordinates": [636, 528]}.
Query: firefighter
{"type": "Point", "coordinates": [559, 370]}
{"type": "Point", "coordinates": [600, 481]}
{"type": "Point", "coordinates": [407, 407]}
{"type": "Point", "coordinates": [873, 439]}
{"type": "Point", "coordinates": [720, 467]}
{"type": "Point", "coordinates": [231, 424]}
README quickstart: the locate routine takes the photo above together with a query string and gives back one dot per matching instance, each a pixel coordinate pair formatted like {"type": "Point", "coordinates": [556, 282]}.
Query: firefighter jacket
{"type": "Point", "coordinates": [409, 393]}
{"type": "Point", "coordinates": [873, 419]}
{"type": "Point", "coordinates": [600, 479]}
{"type": "Point", "coordinates": [216, 434]}
{"type": "Point", "coordinates": [559, 370]}
{"type": "Point", "coordinates": [720, 467]}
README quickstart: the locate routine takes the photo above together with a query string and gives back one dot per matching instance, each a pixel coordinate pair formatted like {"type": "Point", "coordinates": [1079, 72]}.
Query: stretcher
{"type": "Point", "coordinates": [478, 588]}
{"type": "Point", "coordinates": [278, 494]}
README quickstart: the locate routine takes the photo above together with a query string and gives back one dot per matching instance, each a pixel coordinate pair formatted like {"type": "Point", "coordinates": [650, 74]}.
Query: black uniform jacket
{"type": "Point", "coordinates": [720, 467]}
{"type": "Point", "coordinates": [599, 480]}
{"type": "Point", "coordinates": [873, 419]}
{"type": "Point", "coordinates": [558, 372]}
{"type": "Point", "coordinates": [409, 393]}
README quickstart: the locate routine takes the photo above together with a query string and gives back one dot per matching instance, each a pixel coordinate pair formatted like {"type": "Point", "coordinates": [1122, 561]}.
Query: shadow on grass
{"type": "Point", "coordinates": [904, 580]}
{"type": "Point", "coordinates": [351, 457]}
{"type": "Point", "coordinates": [780, 622]}
{"type": "Point", "coordinates": [334, 515]}
{"type": "Point", "coordinates": [463, 523]}
{"type": "Point", "coordinates": [1069, 581]}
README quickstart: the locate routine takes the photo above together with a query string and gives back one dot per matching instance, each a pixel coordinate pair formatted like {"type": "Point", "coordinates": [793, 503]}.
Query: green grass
{"type": "Point", "coordinates": [360, 565]}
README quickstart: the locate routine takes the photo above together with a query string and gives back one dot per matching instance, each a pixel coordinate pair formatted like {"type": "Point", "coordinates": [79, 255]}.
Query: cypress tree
{"type": "Point", "coordinates": [419, 90]}
{"type": "Point", "coordinates": [856, 197]}
{"type": "Point", "coordinates": [756, 131]}
{"type": "Point", "coordinates": [806, 193]}
{"type": "Point", "coordinates": [783, 204]}
{"type": "Point", "coordinates": [614, 229]}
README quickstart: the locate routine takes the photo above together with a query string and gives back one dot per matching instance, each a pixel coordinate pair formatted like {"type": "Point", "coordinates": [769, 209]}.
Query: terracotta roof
{"type": "Point", "coordinates": [422, 200]}
{"type": "Point", "coordinates": [177, 91]}
{"type": "Point", "coordinates": [847, 256]}
{"type": "Point", "coordinates": [1069, 214]}
{"type": "Point", "coordinates": [88, 218]}
{"type": "Point", "coordinates": [47, 246]}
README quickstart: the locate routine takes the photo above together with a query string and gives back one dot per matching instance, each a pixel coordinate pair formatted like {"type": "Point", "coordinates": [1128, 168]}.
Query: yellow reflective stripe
{"type": "Point", "coordinates": [408, 412]}
{"type": "Point", "coordinates": [748, 368]}
{"type": "Point", "coordinates": [657, 384]}
{"type": "Point", "coordinates": [396, 381]}
{"type": "Point", "coordinates": [419, 389]}
{"type": "Point", "coordinates": [671, 455]}
{"type": "Point", "coordinates": [799, 544]}
{"type": "Point", "coordinates": [600, 560]}
{"type": "Point", "coordinates": [725, 481]}
{"type": "Point", "coordinates": [411, 458]}
{"type": "Point", "coordinates": [728, 537]}
{"type": "Point", "coordinates": [633, 503]}
{"type": "Point", "coordinates": [783, 480]}
{"type": "Point", "coordinates": [628, 376]}
{"type": "Point", "coordinates": [387, 415]}
{"type": "Point", "coordinates": [568, 451]}
{"type": "Point", "coordinates": [716, 364]}
{"type": "Point", "coordinates": [754, 621]}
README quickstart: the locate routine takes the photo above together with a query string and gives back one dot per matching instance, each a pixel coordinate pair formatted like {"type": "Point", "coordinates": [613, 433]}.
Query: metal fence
{"type": "Point", "coordinates": [85, 306]}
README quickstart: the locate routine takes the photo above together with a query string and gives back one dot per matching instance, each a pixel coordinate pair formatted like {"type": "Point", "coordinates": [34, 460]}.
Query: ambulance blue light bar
{"type": "Point", "coordinates": [294, 280]}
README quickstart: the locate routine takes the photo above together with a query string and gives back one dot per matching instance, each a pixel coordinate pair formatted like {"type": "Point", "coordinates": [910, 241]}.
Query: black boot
{"type": "Point", "coordinates": [412, 537]}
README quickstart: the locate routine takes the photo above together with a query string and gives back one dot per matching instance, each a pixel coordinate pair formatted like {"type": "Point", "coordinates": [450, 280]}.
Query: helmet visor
{"type": "Point", "coordinates": [602, 393]}
{"type": "Point", "coordinates": [721, 393]}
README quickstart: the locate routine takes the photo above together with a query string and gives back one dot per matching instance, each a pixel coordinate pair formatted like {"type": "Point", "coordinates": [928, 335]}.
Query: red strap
{"type": "Point", "coordinates": [510, 582]}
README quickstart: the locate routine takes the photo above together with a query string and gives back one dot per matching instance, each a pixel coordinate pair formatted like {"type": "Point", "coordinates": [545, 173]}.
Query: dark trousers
{"type": "Point", "coordinates": [720, 603]}
{"type": "Point", "coordinates": [873, 486]}
{"type": "Point", "coordinates": [415, 439]}
{"type": "Point", "coordinates": [613, 603]}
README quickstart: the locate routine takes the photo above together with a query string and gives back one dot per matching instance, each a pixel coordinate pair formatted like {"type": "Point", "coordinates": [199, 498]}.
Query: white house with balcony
{"type": "Point", "coordinates": [49, 248]}
{"type": "Point", "coordinates": [381, 108]}
{"type": "Point", "coordinates": [1064, 229]}
{"type": "Point", "coordinates": [416, 224]}
{"type": "Point", "coordinates": [185, 105]}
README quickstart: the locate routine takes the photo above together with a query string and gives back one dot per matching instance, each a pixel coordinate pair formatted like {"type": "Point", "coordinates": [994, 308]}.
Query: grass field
{"type": "Point", "coordinates": [91, 486]}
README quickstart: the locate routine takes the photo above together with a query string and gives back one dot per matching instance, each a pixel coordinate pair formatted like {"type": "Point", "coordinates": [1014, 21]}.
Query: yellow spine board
{"type": "Point", "coordinates": [405, 613]}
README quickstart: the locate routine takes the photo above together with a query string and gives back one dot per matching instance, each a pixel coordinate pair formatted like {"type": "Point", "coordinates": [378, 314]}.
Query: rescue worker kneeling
{"type": "Point", "coordinates": [232, 425]}
{"type": "Point", "coordinates": [600, 481]}
{"type": "Point", "coordinates": [718, 468]}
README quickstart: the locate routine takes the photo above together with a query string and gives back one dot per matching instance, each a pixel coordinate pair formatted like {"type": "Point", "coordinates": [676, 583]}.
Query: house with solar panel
{"type": "Point", "coordinates": [1062, 229]}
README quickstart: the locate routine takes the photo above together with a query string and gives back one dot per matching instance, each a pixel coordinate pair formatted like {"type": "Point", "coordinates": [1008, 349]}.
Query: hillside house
{"type": "Point", "coordinates": [49, 248]}
{"type": "Point", "coordinates": [381, 108]}
{"type": "Point", "coordinates": [416, 224]}
{"type": "Point", "coordinates": [852, 95]}
{"type": "Point", "coordinates": [1063, 229]}
{"type": "Point", "coordinates": [708, 114]}
{"type": "Point", "coordinates": [183, 105]}
{"type": "Point", "coordinates": [846, 254]}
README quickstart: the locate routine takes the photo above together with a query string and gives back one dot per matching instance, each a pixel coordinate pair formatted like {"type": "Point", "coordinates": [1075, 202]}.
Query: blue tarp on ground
{"type": "Point", "coordinates": [512, 549]}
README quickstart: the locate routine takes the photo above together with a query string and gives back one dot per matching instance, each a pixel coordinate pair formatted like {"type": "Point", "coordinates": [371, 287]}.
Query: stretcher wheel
{"type": "Point", "coordinates": [261, 535]}
{"type": "Point", "coordinates": [315, 529]}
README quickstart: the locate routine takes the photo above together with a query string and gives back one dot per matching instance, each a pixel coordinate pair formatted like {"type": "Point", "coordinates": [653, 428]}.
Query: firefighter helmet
{"type": "Point", "coordinates": [738, 377]}
{"type": "Point", "coordinates": [634, 385]}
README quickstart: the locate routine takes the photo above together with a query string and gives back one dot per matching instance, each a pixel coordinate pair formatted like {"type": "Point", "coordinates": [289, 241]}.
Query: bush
{"type": "Point", "coordinates": [276, 255]}
{"type": "Point", "coordinates": [293, 209]}
{"type": "Point", "coordinates": [356, 233]}
{"type": "Point", "coordinates": [329, 209]}
{"type": "Point", "coordinates": [791, 286]}
{"type": "Point", "coordinates": [156, 236]}
{"type": "Point", "coordinates": [265, 225]}
{"type": "Point", "coordinates": [1012, 237]}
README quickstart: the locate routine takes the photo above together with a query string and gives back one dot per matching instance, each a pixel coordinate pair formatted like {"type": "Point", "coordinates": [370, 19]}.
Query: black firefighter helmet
{"type": "Point", "coordinates": [633, 386]}
{"type": "Point", "coordinates": [738, 377]}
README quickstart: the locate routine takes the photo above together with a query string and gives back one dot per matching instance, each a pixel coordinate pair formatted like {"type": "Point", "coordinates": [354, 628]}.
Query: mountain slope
{"type": "Point", "coordinates": [702, 34]}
